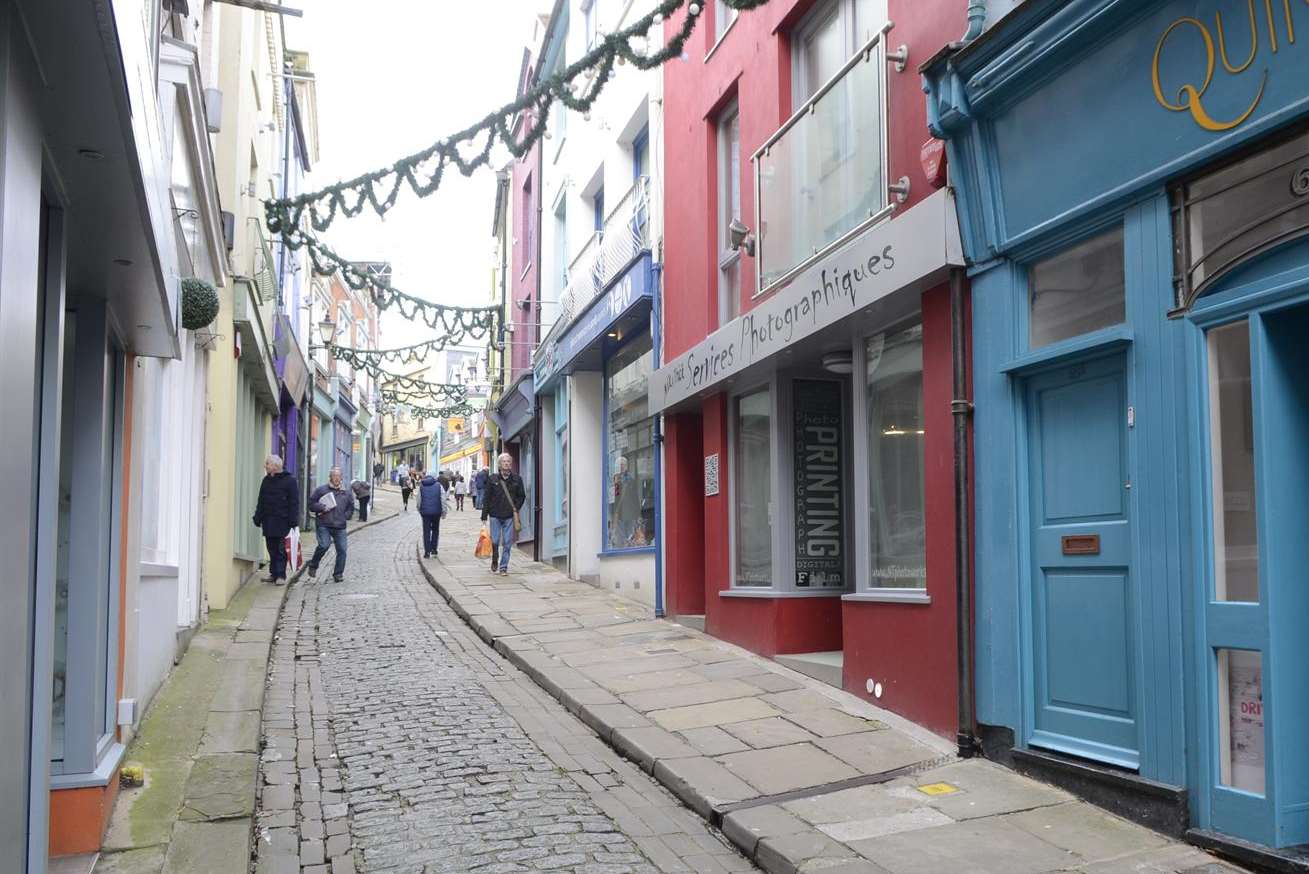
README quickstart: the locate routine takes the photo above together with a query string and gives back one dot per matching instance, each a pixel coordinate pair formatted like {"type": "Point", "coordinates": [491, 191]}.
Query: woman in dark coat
{"type": "Point", "coordinates": [277, 512]}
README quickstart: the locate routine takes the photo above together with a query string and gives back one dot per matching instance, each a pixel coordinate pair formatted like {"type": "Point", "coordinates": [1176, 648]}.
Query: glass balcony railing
{"type": "Point", "coordinates": [821, 179]}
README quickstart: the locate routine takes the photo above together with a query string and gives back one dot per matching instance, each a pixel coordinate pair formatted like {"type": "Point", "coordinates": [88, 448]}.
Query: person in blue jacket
{"type": "Point", "coordinates": [334, 506]}
{"type": "Point", "coordinates": [431, 506]}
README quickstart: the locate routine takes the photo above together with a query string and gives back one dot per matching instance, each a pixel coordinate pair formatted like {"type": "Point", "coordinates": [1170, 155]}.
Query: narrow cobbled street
{"type": "Point", "coordinates": [395, 740]}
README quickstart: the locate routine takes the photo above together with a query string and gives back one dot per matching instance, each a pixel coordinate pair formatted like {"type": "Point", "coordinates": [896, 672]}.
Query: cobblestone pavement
{"type": "Point", "coordinates": [396, 741]}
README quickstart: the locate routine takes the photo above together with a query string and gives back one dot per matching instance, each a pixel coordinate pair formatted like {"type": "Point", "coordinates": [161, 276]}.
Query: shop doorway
{"type": "Point", "coordinates": [1080, 625]}
{"type": "Point", "coordinates": [1255, 657]}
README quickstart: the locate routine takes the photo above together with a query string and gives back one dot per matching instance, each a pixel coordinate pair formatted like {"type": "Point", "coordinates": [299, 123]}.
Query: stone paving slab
{"type": "Point", "coordinates": [198, 743]}
{"type": "Point", "coordinates": [776, 757]}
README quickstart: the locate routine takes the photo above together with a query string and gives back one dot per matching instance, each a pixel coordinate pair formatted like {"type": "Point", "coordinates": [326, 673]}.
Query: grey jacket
{"type": "Point", "coordinates": [338, 515]}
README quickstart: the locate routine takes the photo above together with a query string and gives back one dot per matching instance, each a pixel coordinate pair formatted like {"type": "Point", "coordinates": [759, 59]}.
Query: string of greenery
{"type": "Point", "coordinates": [577, 86]}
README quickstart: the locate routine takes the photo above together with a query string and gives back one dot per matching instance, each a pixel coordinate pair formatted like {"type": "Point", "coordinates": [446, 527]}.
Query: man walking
{"type": "Point", "coordinates": [461, 491]}
{"type": "Point", "coordinates": [479, 488]}
{"type": "Point", "coordinates": [377, 471]}
{"type": "Point", "coordinates": [277, 512]}
{"type": "Point", "coordinates": [363, 493]}
{"type": "Point", "coordinates": [431, 506]}
{"type": "Point", "coordinates": [503, 498]}
{"type": "Point", "coordinates": [334, 506]}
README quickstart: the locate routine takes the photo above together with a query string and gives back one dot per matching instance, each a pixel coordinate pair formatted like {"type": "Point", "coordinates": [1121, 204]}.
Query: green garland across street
{"type": "Point", "coordinates": [577, 87]}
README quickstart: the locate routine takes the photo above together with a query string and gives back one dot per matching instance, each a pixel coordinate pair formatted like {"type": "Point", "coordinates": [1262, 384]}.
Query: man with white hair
{"type": "Point", "coordinates": [334, 505]}
{"type": "Point", "coordinates": [277, 512]}
{"type": "Point", "coordinates": [503, 499]}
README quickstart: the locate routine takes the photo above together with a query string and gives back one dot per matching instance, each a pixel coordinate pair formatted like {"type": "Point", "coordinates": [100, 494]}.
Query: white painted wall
{"type": "Point", "coordinates": [585, 469]}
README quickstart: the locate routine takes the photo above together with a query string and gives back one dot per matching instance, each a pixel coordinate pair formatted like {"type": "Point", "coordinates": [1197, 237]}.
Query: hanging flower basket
{"type": "Point", "coordinates": [199, 304]}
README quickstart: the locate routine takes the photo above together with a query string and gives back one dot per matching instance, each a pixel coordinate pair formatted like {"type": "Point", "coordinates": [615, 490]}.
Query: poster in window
{"type": "Point", "coordinates": [819, 494]}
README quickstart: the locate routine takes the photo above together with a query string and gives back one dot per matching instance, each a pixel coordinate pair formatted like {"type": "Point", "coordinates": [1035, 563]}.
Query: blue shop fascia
{"type": "Point", "coordinates": [1133, 187]}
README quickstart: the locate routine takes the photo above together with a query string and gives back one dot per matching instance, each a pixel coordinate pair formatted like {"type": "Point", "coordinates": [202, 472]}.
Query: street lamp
{"type": "Point", "coordinates": [327, 331]}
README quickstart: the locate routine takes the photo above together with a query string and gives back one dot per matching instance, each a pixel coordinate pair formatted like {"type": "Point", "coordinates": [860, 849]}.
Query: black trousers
{"type": "Point", "coordinates": [431, 533]}
{"type": "Point", "coordinates": [363, 508]}
{"type": "Point", "coordinates": [276, 557]}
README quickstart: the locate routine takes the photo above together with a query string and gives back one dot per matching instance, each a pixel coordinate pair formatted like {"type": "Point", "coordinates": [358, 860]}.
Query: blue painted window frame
{"type": "Point", "coordinates": [606, 549]}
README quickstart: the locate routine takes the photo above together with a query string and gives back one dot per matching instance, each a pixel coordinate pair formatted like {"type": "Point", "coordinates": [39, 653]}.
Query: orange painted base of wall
{"type": "Point", "coordinates": [79, 817]}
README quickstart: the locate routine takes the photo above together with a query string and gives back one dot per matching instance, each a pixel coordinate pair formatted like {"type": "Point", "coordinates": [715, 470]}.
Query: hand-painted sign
{"type": "Point", "coordinates": [885, 259]}
{"type": "Point", "coordinates": [1186, 93]}
{"type": "Point", "coordinates": [819, 496]}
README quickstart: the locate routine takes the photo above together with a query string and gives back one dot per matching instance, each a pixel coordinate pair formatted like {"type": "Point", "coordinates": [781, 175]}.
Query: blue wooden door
{"type": "Point", "coordinates": [1082, 620]}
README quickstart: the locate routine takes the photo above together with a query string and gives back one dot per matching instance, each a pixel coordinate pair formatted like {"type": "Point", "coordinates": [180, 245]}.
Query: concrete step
{"type": "Point", "coordinates": [822, 666]}
{"type": "Point", "coordinates": [696, 622]}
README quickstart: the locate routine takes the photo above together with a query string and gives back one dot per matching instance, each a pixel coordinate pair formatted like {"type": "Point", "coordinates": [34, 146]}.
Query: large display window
{"type": "Point", "coordinates": [629, 449]}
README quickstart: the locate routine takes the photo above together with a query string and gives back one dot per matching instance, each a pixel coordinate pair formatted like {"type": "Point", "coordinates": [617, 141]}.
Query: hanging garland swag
{"type": "Point", "coordinates": [577, 87]}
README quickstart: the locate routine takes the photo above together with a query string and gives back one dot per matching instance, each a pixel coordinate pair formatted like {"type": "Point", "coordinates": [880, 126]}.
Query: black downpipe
{"type": "Point", "coordinates": [962, 409]}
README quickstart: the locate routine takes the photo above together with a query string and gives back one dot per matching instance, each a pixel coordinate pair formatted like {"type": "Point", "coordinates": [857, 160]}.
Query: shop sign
{"type": "Point", "coordinates": [1198, 43]}
{"type": "Point", "coordinates": [634, 285]}
{"type": "Point", "coordinates": [898, 254]}
{"type": "Point", "coordinates": [819, 497]}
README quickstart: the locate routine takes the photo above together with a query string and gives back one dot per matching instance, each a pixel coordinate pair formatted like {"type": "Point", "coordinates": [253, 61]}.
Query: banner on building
{"type": "Point", "coordinates": [819, 495]}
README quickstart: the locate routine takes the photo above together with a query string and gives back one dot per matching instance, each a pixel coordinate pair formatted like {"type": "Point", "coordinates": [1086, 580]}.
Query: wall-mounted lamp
{"type": "Point", "coordinates": [740, 237]}
{"type": "Point", "coordinates": [841, 361]}
{"type": "Point", "coordinates": [327, 331]}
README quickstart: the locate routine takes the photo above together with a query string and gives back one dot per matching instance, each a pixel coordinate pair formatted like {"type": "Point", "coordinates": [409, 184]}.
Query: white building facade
{"type": "Point", "coordinates": [601, 230]}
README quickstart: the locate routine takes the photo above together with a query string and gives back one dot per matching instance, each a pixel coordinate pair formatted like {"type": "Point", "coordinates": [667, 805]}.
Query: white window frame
{"type": "Point", "coordinates": [864, 589]}
{"type": "Point", "coordinates": [728, 258]}
{"type": "Point", "coordinates": [722, 13]}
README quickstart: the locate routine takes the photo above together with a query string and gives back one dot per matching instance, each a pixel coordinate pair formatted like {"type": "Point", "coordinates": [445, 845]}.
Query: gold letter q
{"type": "Point", "coordinates": [1189, 96]}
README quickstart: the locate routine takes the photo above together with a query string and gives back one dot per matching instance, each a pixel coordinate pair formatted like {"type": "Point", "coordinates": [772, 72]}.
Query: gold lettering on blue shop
{"type": "Point", "coordinates": [1191, 94]}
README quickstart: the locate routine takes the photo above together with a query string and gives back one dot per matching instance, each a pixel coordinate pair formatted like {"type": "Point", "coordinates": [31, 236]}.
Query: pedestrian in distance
{"type": "Point", "coordinates": [277, 512]}
{"type": "Point", "coordinates": [401, 474]}
{"type": "Point", "coordinates": [431, 506]}
{"type": "Point", "coordinates": [461, 491]}
{"type": "Point", "coordinates": [378, 469]}
{"type": "Point", "coordinates": [363, 493]}
{"type": "Point", "coordinates": [334, 506]}
{"type": "Point", "coordinates": [504, 497]}
{"type": "Point", "coordinates": [479, 487]}
{"type": "Point", "coordinates": [406, 486]}
{"type": "Point", "coordinates": [447, 480]}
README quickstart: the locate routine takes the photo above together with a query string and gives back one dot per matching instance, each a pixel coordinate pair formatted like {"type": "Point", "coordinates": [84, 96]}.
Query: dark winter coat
{"type": "Point", "coordinates": [278, 509]}
{"type": "Point", "coordinates": [431, 497]}
{"type": "Point", "coordinates": [336, 517]}
{"type": "Point", "coordinates": [495, 503]}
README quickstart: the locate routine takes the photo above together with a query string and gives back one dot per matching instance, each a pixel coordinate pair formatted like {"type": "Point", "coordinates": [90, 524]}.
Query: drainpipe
{"type": "Point", "coordinates": [962, 409]}
{"type": "Point", "coordinates": [976, 20]}
{"type": "Point", "coordinates": [655, 331]}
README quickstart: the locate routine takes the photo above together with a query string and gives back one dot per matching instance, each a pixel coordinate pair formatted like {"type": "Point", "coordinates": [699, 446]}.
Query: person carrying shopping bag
{"type": "Point", "coordinates": [503, 498]}
{"type": "Point", "coordinates": [431, 506]}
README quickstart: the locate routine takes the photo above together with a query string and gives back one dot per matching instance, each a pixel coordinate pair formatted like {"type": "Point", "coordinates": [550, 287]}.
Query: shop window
{"type": "Point", "coordinates": [894, 407]}
{"type": "Point", "coordinates": [752, 493]}
{"type": "Point", "coordinates": [63, 544]}
{"type": "Point", "coordinates": [1080, 290]}
{"type": "Point", "coordinates": [629, 448]}
{"type": "Point", "coordinates": [1241, 736]}
{"type": "Point", "coordinates": [729, 210]}
{"type": "Point", "coordinates": [1231, 429]}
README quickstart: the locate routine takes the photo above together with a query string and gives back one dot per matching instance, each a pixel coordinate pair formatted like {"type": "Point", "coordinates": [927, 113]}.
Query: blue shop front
{"type": "Point", "coordinates": [600, 466]}
{"type": "Point", "coordinates": [1133, 182]}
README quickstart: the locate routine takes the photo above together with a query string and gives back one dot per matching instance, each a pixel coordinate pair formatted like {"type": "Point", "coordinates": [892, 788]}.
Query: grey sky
{"type": "Point", "coordinates": [393, 77]}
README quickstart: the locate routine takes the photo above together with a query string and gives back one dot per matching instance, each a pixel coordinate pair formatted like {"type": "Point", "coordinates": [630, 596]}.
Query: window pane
{"type": "Point", "coordinates": [724, 15]}
{"type": "Point", "coordinates": [894, 406]}
{"type": "Point", "coordinates": [729, 290]}
{"type": "Point", "coordinates": [630, 446]}
{"type": "Point", "coordinates": [1078, 291]}
{"type": "Point", "coordinates": [1241, 720]}
{"type": "Point", "coordinates": [1231, 429]}
{"type": "Point", "coordinates": [752, 477]}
